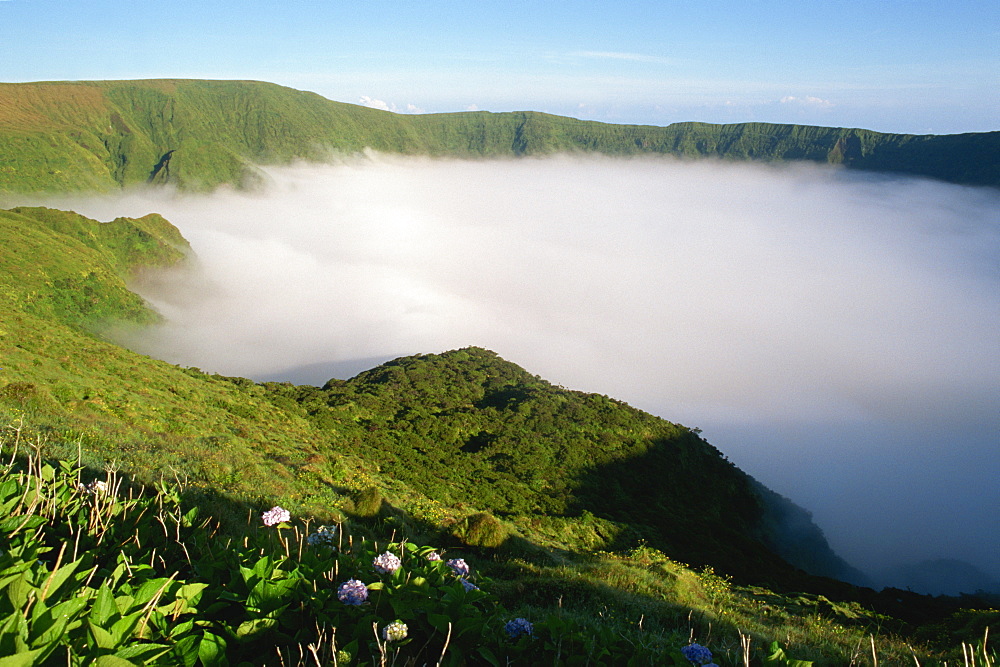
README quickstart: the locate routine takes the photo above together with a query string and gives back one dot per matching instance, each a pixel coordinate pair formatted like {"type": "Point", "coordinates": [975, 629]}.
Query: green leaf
{"type": "Point", "coordinates": [9, 489]}
{"type": "Point", "coordinates": [142, 653]}
{"type": "Point", "coordinates": [439, 622]}
{"type": "Point", "coordinates": [779, 656]}
{"type": "Point", "coordinates": [212, 651]}
{"type": "Point", "coordinates": [113, 661]}
{"type": "Point", "coordinates": [11, 524]}
{"type": "Point", "coordinates": [267, 596]}
{"type": "Point", "coordinates": [18, 590]}
{"type": "Point", "coordinates": [50, 626]}
{"type": "Point", "coordinates": [59, 577]}
{"type": "Point", "coordinates": [489, 656]}
{"type": "Point", "coordinates": [104, 606]}
{"type": "Point", "coordinates": [191, 594]}
{"type": "Point", "coordinates": [149, 590]}
{"type": "Point", "coordinates": [180, 629]}
{"type": "Point", "coordinates": [122, 629]}
{"type": "Point", "coordinates": [101, 637]}
{"type": "Point", "coordinates": [190, 517]}
{"type": "Point", "coordinates": [47, 473]}
{"type": "Point", "coordinates": [251, 628]}
{"type": "Point", "coordinates": [264, 568]}
{"type": "Point", "coordinates": [125, 604]}
{"type": "Point", "coordinates": [27, 658]}
{"type": "Point", "coordinates": [185, 651]}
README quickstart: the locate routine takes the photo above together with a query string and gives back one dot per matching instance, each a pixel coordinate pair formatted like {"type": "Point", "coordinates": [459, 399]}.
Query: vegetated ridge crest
{"type": "Point", "coordinates": [198, 134]}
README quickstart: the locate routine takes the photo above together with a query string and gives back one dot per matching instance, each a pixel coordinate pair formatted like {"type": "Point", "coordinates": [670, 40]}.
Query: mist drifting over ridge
{"type": "Point", "coordinates": [835, 334]}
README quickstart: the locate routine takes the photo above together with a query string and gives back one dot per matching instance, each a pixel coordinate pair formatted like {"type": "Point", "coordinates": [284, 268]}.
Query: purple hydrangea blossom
{"type": "Point", "coordinates": [518, 627]}
{"type": "Point", "coordinates": [387, 563]}
{"type": "Point", "coordinates": [468, 585]}
{"type": "Point", "coordinates": [275, 515]}
{"type": "Point", "coordinates": [433, 557]}
{"type": "Point", "coordinates": [395, 632]}
{"type": "Point", "coordinates": [697, 654]}
{"type": "Point", "coordinates": [458, 566]}
{"type": "Point", "coordinates": [352, 592]}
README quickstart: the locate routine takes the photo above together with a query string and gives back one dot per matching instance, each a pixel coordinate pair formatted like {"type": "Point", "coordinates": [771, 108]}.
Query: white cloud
{"type": "Point", "coordinates": [619, 55]}
{"type": "Point", "coordinates": [373, 103]}
{"type": "Point", "coordinates": [808, 101]}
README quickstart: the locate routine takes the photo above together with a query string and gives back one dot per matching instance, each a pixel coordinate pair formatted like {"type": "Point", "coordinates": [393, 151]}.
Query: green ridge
{"type": "Point", "coordinates": [102, 135]}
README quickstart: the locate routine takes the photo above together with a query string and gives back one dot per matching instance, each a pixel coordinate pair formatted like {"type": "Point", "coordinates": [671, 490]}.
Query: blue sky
{"type": "Point", "coordinates": [890, 65]}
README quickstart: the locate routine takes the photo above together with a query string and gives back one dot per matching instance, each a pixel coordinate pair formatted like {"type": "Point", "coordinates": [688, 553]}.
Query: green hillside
{"type": "Point", "coordinates": [465, 428]}
{"type": "Point", "coordinates": [621, 535]}
{"type": "Point", "coordinates": [102, 135]}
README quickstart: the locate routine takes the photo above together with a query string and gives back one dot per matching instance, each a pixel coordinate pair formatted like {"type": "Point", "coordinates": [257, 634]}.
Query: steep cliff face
{"type": "Point", "coordinates": [790, 532]}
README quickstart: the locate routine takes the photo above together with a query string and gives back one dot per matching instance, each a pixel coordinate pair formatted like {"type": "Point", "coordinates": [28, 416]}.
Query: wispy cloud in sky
{"type": "Point", "coordinates": [808, 101]}
{"type": "Point", "coordinates": [616, 55]}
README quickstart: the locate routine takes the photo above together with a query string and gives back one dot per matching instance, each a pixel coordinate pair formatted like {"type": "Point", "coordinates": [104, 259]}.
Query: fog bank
{"type": "Point", "coordinates": [835, 334]}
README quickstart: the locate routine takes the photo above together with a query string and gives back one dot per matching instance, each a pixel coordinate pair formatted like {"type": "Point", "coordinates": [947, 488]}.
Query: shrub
{"type": "Point", "coordinates": [368, 503]}
{"type": "Point", "coordinates": [482, 530]}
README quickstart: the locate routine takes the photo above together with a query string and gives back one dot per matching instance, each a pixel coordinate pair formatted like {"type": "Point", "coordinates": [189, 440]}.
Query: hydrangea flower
{"type": "Point", "coordinates": [433, 556]}
{"type": "Point", "coordinates": [352, 592]}
{"type": "Point", "coordinates": [458, 566]}
{"type": "Point", "coordinates": [387, 563]}
{"type": "Point", "coordinates": [275, 515]}
{"type": "Point", "coordinates": [697, 654]}
{"type": "Point", "coordinates": [394, 632]}
{"type": "Point", "coordinates": [324, 535]}
{"type": "Point", "coordinates": [468, 585]}
{"type": "Point", "coordinates": [518, 627]}
{"type": "Point", "coordinates": [96, 488]}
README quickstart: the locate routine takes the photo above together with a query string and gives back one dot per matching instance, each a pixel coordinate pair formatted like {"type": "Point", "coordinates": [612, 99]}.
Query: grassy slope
{"type": "Point", "coordinates": [66, 280]}
{"type": "Point", "coordinates": [466, 428]}
{"type": "Point", "coordinates": [428, 431]}
{"type": "Point", "coordinates": [68, 136]}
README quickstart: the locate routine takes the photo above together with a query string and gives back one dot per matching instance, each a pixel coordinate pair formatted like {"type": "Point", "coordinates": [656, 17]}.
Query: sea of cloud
{"type": "Point", "coordinates": [836, 334]}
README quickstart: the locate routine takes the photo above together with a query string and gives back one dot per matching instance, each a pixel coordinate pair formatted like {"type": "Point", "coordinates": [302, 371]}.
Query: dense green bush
{"type": "Point", "coordinates": [482, 530]}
